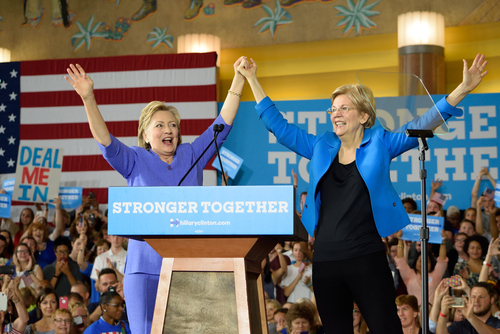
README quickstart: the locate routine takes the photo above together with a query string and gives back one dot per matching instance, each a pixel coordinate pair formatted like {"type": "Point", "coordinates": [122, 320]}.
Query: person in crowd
{"type": "Point", "coordinates": [86, 268]}
{"type": "Point", "coordinates": [80, 317]}
{"type": "Point", "coordinates": [408, 313]}
{"type": "Point", "coordinates": [453, 216]}
{"type": "Point", "coordinates": [476, 247]}
{"type": "Point", "coordinates": [470, 214]}
{"type": "Point", "coordinates": [29, 298]}
{"type": "Point", "coordinates": [409, 204]}
{"type": "Point", "coordinates": [317, 325]}
{"type": "Point", "coordinates": [468, 227]}
{"type": "Point", "coordinates": [44, 252]}
{"type": "Point", "coordinates": [483, 210]}
{"type": "Point", "coordinates": [160, 160]}
{"type": "Point", "coordinates": [113, 258]}
{"type": "Point", "coordinates": [74, 297]}
{"type": "Point", "coordinates": [83, 290]}
{"type": "Point", "coordinates": [62, 321]}
{"type": "Point", "coordinates": [299, 319]}
{"type": "Point", "coordinates": [348, 167]}
{"type": "Point", "coordinates": [8, 250]}
{"type": "Point", "coordinates": [412, 275]}
{"type": "Point", "coordinates": [457, 254]}
{"type": "Point", "coordinates": [358, 323]}
{"type": "Point", "coordinates": [297, 282]}
{"type": "Point", "coordinates": [274, 267]}
{"type": "Point", "coordinates": [280, 319]}
{"type": "Point", "coordinates": [25, 220]}
{"type": "Point", "coordinates": [477, 311]}
{"type": "Point", "coordinates": [25, 264]}
{"type": "Point", "coordinates": [35, 315]}
{"type": "Point", "coordinates": [79, 226]}
{"type": "Point", "coordinates": [3, 246]}
{"type": "Point", "coordinates": [31, 243]}
{"type": "Point", "coordinates": [491, 256]}
{"type": "Point", "coordinates": [63, 272]}
{"type": "Point", "coordinates": [107, 280]}
{"type": "Point", "coordinates": [16, 324]}
{"type": "Point", "coordinates": [46, 305]}
{"type": "Point", "coordinates": [112, 306]}
{"type": "Point", "coordinates": [271, 306]}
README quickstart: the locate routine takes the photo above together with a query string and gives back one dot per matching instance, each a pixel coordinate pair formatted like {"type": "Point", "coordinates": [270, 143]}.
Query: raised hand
{"type": "Point", "coordinates": [237, 65]}
{"type": "Point", "coordinates": [80, 81]}
{"type": "Point", "coordinates": [248, 69]}
{"type": "Point", "coordinates": [436, 185]}
{"type": "Point", "coordinates": [473, 76]}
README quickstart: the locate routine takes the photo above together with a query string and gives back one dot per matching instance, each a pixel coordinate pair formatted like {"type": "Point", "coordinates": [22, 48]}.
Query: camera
{"type": "Point", "coordinates": [7, 270]}
{"type": "Point", "coordinates": [111, 288]}
{"type": "Point", "coordinates": [459, 302]}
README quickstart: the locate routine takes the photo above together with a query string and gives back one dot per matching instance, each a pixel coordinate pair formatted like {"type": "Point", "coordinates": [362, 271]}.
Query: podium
{"type": "Point", "coordinates": [212, 241]}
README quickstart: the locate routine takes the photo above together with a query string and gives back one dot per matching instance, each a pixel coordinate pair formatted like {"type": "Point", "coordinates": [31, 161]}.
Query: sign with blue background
{"type": "Point", "coordinates": [230, 161]}
{"type": "Point", "coordinates": [248, 210]}
{"type": "Point", "coordinates": [412, 231]}
{"type": "Point", "coordinates": [71, 198]}
{"type": "Point", "coordinates": [456, 158]}
{"type": "Point", "coordinates": [5, 201]}
{"type": "Point", "coordinates": [8, 186]}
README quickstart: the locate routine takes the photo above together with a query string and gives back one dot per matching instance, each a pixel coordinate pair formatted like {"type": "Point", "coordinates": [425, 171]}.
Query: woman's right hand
{"type": "Point", "coordinates": [80, 81]}
{"type": "Point", "coordinates": [248, 69]}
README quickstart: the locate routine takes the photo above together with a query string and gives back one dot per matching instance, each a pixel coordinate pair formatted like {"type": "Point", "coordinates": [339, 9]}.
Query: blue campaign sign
{"type": "Point", "coordinates": [8, 186]}
{"type": "Point", "coordinates": [251, 210]}
{"type": "Point", "coordinates": [412, 231]}
{"type": "Point", "coordinates": [456, 158]}
{"type": "Point", "coordinates": [230, 161]}
{"type": "Point", "coordinates": [71, 198]}
{"type": "Point", "coordinates": [5, 201]}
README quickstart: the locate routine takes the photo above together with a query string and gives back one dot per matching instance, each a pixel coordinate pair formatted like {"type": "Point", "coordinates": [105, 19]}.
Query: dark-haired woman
{"type": "Point", "coordinates": [476, 247]}
{"type": "Point", "coordinates": [112, 305]}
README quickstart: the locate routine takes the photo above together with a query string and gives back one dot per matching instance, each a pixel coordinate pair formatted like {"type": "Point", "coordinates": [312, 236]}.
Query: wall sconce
{"type": "Point", "coordinates": [421, 48]}
{"type": "Point", "coordinates": [199, 43]}
{"type": "Point", "coordinates": [4, 55]}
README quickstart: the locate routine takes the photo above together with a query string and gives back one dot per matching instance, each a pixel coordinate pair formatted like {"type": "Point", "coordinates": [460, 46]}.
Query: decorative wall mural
{"type": "Point", "coordinates": [34, 12]}
{"type": "Point", "coordinates": [148, 8]}
{"type": "Point", "coordinates": [276, 19]}
{"type": "Point", "coordinates": [247, 4]}
{"type": "Point", "coordinates": [209, 10]}
{"type": "Point", "coordinates": [356, 16]}
{"type": "Point", "coordinates": [159, 37]}
{"type": "Point", "coordinates": [193, 10]}
{"type": "Point", "coordinates": [89, 32]}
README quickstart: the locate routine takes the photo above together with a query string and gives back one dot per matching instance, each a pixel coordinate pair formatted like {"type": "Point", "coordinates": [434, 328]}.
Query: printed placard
{"type": "Point", "coordinates": [71, 198]}
{"type": "Point", "coordinates": [412, 231]}
{"type": "Point", "coordinates": [5, 201]}
{"type": "Point", "coordinates": [230, 161]}
{"type": "Point", "coordinates": [8, 186]}
{"type": "Point", "coordinates": [497, 196]}
{"type": "Point", "coordinates": [38, 173]}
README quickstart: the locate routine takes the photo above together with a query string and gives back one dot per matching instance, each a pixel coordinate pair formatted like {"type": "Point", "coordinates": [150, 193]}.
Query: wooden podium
{"type": "Point", "coordinates": [212, 283]}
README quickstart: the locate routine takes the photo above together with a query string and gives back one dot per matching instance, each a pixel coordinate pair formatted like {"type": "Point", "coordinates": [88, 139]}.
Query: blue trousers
{"type": "Point", "coordinates": [140, 296]}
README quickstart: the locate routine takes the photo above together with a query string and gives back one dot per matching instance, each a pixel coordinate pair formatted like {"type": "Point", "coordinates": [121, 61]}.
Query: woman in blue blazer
{"type": "Point", "coordinates": [351, 200]}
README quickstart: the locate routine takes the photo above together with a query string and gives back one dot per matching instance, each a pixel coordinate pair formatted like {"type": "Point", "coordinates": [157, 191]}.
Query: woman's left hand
{"type": "Point", "coordinates": [237, 64]}
{"type": "Point", "coordinates": [473, 76]}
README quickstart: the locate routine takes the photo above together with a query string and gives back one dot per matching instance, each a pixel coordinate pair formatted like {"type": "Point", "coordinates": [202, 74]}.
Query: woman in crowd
{"type": "Point", "coordinates": [86, 267]}
{"type": "Point", "coordinates": [46, 305]}
{"type": "Point", "coordinates": [476, 247]}
{"type": "Point", "coordinates": [45, 247]}
{"type": "Point", "coordinates": [62, 321]}
{"type": "Point", "coordinates": [408, 313]}
{"type": "Point", "coordinates": [274, 267]}
{"type": "Point", "coordinates": [24, 261]}
{"type": "Point", "coordinates": [349, 173]}
{"type": "Point", "coordinates": [81, 225]}
{"type": "Point", "coordinates": [160, 160]}
{"type": "Point", "coordinates": [412, 274]}
{"type": "Point", "coordinates": [112, 305]}
{"type": "Point", "coordinates": [25, 221]}
{"type": "Point", "coordinates": [358, 323]}
{"type": "Point", "coordinates": [8, 250]}
{"type": "Point", "coordinates": [297, 282]}
{"type": "Point", "coordinates": [299, 320]}
{"type": "Point", "coordinates": [80, 315]}
{"type": "Point", "coordinates": [16, 316]}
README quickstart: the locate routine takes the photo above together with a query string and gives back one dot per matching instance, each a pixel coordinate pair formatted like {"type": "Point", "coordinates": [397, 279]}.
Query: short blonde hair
{"type": "Point", "coordinates": [62, 311]}
{"type": "Point", "coordinates": [145, 120]}
{"type": "Point", "coordinates": [362, 98]}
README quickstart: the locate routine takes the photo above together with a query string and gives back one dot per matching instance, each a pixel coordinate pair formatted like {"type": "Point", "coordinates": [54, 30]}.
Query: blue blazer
{"type": "Point", "coordinates": [373, 159]}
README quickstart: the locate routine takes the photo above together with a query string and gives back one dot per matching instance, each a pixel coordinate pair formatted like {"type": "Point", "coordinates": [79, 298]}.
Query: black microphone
{"type": "Point", "coordinates": [217, 128]}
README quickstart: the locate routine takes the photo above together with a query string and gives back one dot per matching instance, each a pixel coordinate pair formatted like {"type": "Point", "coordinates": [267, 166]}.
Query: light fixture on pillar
{"type": "Point", "coordinates": [199, 43]}
{"type": "Point", "coordinates": [4, 55]}
{"type": "Point", "coordinates": [421, 48]}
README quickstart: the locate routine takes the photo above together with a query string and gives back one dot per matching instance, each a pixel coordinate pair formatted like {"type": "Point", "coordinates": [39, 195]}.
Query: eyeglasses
{"type": "Point", "coordinates": [342, 109]}
{"type": "Point", "coordinates": [356, 311]}
{"type": "Point", "coordinates": [62, 252]}
{"type": "Point", "coordinates": [59, 320]}
{"type": "Point", "coordinates": [117, 305]}
{"type": "Point", "coordinates": [22, 251]}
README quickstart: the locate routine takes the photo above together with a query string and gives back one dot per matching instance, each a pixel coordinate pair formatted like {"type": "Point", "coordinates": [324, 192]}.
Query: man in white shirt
{"type": "Point", "coordinates": [114, 258]}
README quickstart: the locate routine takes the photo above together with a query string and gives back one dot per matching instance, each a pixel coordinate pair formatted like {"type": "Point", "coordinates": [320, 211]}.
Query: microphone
{"type": "Point", "coordinates": [217, 129]}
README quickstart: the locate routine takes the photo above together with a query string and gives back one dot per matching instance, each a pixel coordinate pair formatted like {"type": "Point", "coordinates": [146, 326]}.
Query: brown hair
{"type": "Point", "coordinates": [145, 120]}
{"type": "Point", "coordinates": [362, 98]}
{"type": "Point", "coordinates": [411, 301]}
{"type": "Point", "coordinates": [300, 310]}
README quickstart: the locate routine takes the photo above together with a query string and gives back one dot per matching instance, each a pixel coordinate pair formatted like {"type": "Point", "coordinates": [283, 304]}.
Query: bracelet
{"type": "Point", "coordinates": [56, 276]}
{"type": "Point", "coordinates": [443, 315]}
{"type": "Point", "coordinates": [486, 263]}
{"type": "Point", "coordinates": [401, 246]}
{"type": "Point", "coordinates": [231, 92]}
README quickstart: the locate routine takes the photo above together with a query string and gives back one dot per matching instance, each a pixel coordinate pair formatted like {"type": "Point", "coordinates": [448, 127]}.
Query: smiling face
{"type": "Point", "coordinates": [62, 323]}
{"type": "Point", "coordinates": [48, 305]}
{"type": "Point", "coordinates": [347, 122]}
{"type": "Point", "coordinates": [114, 309]}
{"type": "Point", "coordinates": [270, 312]}
{"type": "Point", "coordinates": [22, 253]}
{"type": "Point", "coordinates": [38, 235]}
{"type": "Point", "coordinates": [26, 217]}
{"type": "Point", "coordinates": [163, 134]}
{"type": "Point", "coordinates": [433, 207]}
{"type": "Point", "coordinates": [103, 248]}
{"type": "Point", "coordinates": [407, 315]}
{"type": "Point", "coordinates": [475, 250]}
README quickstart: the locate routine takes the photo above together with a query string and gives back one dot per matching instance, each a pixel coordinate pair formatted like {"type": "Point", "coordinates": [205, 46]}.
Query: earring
{"type": "Point", "coordinates": [104, 310]}
{"type": "Point", "coordinates": [147, 142]}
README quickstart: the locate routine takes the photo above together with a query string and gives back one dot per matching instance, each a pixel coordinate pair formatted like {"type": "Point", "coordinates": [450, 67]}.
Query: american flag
{"type": "Point", "coordinates": [39, 107]}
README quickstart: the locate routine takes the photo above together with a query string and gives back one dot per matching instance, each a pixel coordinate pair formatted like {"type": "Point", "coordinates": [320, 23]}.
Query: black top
{"type": "Point", "coordinates": [465, 326]}
{"type": "Point", "coordinates": [346, 228]}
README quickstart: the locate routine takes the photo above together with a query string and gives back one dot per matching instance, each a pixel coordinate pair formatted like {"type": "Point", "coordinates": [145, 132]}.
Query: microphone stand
{"type": "Point", "coordinates": [217, 128]}
{"type": "Point", "coordinates": [424, 230]}
{"type": "Point", "coordinates": [221, 127]}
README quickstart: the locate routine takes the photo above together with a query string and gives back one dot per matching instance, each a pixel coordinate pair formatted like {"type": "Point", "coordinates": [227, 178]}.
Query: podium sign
{"type": "Point", "coordinates": [190, 211]}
